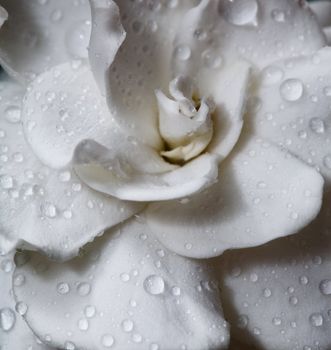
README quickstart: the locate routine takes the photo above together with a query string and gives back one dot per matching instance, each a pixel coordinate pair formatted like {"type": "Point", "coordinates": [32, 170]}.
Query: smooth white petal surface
{"type": "Point", "coordinates": [40, 34]}
{"type": "Point", "coordinates": [262, 194]}
{"type": "Point", "coordinates": [278, 296]}
{"type": "Point", "coordinates": [132, 175]}
{"type": "Point", "coordinates": [294, 108]}
{"type": "Point", "coordinates": [106, 37]}
{"type": "Point", "coordinates": [62, 107]}
{"type": "Point", "coordinates": [14, 333]}
{"type": "Point", "coordinates": [42, 208]}
{"type": "Point", "coordinates": [125, 292]}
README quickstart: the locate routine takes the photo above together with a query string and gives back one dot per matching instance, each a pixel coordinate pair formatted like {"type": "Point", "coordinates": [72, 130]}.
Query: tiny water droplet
{"type": "Point", "coordinates": [317, 125]}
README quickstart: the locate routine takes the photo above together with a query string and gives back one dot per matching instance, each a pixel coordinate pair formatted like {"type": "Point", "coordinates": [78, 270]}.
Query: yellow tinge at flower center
{"type": "Point", "coordinates": [185, 121]}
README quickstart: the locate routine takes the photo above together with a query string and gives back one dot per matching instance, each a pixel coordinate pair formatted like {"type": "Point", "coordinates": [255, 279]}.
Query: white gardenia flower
{"type": "Point", "coordinates": [187, 128]}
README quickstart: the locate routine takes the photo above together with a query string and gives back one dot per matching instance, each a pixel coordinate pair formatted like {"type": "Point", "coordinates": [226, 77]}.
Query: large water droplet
{"type": "Point", "coordinates": [7, 319]}
{"type": "Point", "coordinates": [325, 287]}
{"type": "Point", "coordinates": [316, 320]}
{"type": "Point", "coordinates": [182, 52]}
{"type": "Point", "coordinates": [291, 90]}
{"type": "Point", "coordinates": [154, 285]}
{"type": "Point", "coordinates": [239, 12]}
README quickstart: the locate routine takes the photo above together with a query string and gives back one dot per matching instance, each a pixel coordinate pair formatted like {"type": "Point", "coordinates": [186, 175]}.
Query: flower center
{"type": "Point", "coordinates": [185, 121]}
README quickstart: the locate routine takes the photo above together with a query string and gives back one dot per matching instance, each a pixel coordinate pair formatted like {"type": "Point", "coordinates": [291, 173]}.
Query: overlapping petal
{"type": "Point", "coordinates": [262, 194]}
{"type": "Point", "coordinates": [42, 33]}
{"type": "Point", "coordinates": [294, 108]}
{"type": "Point", "coordinates": [14, 332]}
{"type": "Point", "coordinates": [277, 297]}
{"type": "Point", "coordinates": [127, 292]}
{"type": "Point", "coordinates": [42, 208]}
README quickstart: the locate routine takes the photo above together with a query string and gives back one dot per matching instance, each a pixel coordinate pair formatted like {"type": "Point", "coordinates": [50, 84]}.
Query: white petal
{"type": "Point", "coordinates": [126, 175]}
{"type": "Point", "coordinates": [41, 34]}
{"type": "Point", "coordinates": [42, 208]}
{"type": "Point", "coordinates": [294, 108]}
{"type": "Point", "coordinates": [262, 194]}
{"type": "Point", "coordinates": [128, 291]}
{"type": "Point", "coordinates": [14, 333]}
{"type": "Point", "coordinates": [278, 296]}
{"type": "Point", "coordinates": [106, 37]}
{"type": "Point", "coordinates": [142, 64]}
{"type": "Point", "coordinates": [3, 16]}
{"type": "Point", "coordinates": [322, 10]}
{"type": "Point", "coordinates": [62, 107]}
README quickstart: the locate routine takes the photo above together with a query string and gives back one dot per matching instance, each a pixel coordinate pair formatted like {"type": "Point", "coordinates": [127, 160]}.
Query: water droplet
{"type": "Point", "coordinates": [182, 52]}
{"type": "Point", "coordinates": [327, 91]}
{"type": "Point", "coordinates": [13, 114]}
{"type": "Point", "coordinates": [64, 176]}
{"type": "Point", "coordinates": [49, 210]}
{"type": "Point", "coordinates": [83, 324]}
{"type": "Point", "coordinates": [7, 319]}
{"type": "Point", "coordinates": [272, 75]}
{"type": "Point", "coordinates": [303, 280]}
{"type": "Point", "coordinates": [56, 15]}
{"type": "Point", "coordinates": [21, 308]}
{"type": "Point", "coordinates": [127, 326]}
{"type": "Point", "coordinates": [325, 287]}
{"type": "Point", "coordinates": [63, 288]}
{"type": "Point", "coordinates": [175, 291]}
{"type": "Point", "coordinates": [211, 59]}
{"type": "Point", "coordinates": [69, 345]}
{"type": "Point", "coordinates": [317, 125]}
{"type": "Point", "coordinates": [154, 285]}
{"type": "Point", "coordinates": [239, 12]}
{"type": "Point", "coordinates": [18, 280]}
{"type": "Point", "coordinates": [6, 182]}
{"type": "Point", "coordinates": [267, 293]}
{"type": "Point", "coordinates": [107, 340]}
{"type": "Point", "coordinates": [242, 321]}
{"type": "Point", "coordinates": [276, 321]}
{"type": "Point", "coordinates": [89, 311]}
{"type": "Point", "coordinates": [84, 289]}
{"type": "Point", "coordinates": [7, 265]}
{"type": "Point", "coordinates": [154, 346]}
{"type": "Point", "coordinates": [125, 277]}
{"type": "Point", "coordinates": [137, 338]}
{"type": "Point", "coordinates": [291, 90]}
{"type": "Point", "coordinates": [278, 15]}
{"type": "Point", "coordinates": [316, 319]}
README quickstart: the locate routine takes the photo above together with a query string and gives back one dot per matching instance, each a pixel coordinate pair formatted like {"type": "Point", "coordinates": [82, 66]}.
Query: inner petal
{"type": "Point", "coordinates": [185, 121]}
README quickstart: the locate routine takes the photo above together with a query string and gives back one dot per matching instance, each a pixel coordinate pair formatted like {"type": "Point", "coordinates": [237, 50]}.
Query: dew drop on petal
{"type": "Point", "coordinates": [21, 308]}
{"type": "Point", "coordinates": [107, 340]}
{"type": "Point", "coordinates": [272, 75]}
{"type": "Point", "coordinates": [127, 326]}
{"type": "Point", "coordinates": [327, 161]}
{"type": "Point", "coordinates": [317, 125]}
{"type": "Point", "coordinates": [291, 90]}
{"type": "Point", "coordinates": [83, 289]}
{"type": "Point", "coordinates": [7, 319]}
{"type": "Point", "coordinates": [325, 287]}
{"type": "Point", "coordinates": [182, 52]}
{"type": "Point", "coordinates": [63, 288]}
{"type": "Point", "coordinates": [239, 12]}
{"type": "Point", "coordinates": [316, 319]}
{"type": "Point", "coordinates": [13, 114]}
{"type": "Point", "coordinates": [154, 285]}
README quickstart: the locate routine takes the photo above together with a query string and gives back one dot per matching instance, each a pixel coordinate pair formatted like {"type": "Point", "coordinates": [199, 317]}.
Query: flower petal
{"type": "Point", "coordinates": [278, 296]}
{"type": "Point", "coordinates": [252, 30]}
{"type": "Point", "coordinates": [294, 108]}
{"type": "Point", "coordinates": [42, 208]}
{"type": "Point", "coordinates": [41, 34]}
{"type": "Point", "coordinates": [126, 175]}
{"type": "Point", "coordinates": [106, 37]}
{"type": "Point", "coordinates": [14, 333]}
{"type": "Point", "coordinates": [141, 65]}
{"type": "Point", "coordinates": [126, 291]}
{"type": "Point", "coordinates": [62, 107]}
{"type": "Point", "coordinates": [262, 194]}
